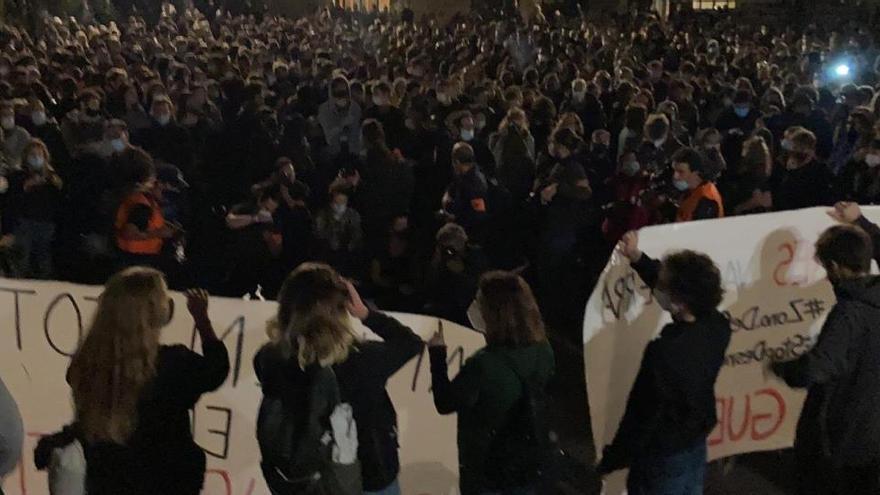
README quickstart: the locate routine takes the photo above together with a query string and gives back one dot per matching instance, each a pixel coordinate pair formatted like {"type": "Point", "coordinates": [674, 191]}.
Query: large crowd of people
{"type": "Point", "coordinates": [434, 167]}
{"type": "Point", "coordinates": [225, 151]}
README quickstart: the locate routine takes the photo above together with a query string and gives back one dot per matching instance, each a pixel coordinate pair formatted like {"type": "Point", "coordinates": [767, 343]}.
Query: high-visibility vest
{"type": "Point", "coordinates": [707, 190]}
{"type": "Point", "coordinates": [156, 222]}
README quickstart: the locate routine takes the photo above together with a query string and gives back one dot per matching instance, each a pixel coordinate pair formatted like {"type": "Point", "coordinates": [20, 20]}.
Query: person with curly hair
{"type": "Point", "coordinates": [671, 407]}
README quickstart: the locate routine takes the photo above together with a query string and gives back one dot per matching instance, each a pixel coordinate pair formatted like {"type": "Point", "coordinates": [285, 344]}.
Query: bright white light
{"type": "Point", "coordinates": [842, 70]}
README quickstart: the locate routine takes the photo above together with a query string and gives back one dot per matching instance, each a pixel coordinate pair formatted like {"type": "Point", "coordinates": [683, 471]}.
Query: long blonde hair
{"type": "Point", "coordinates": [313, 321]}
{"type": "Point", "coordinates": [117, 358]}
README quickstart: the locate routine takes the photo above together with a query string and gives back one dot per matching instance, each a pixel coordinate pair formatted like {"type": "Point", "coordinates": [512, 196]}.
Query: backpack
{"type": "Point", "coordinates": [522, 450]}
{"type": "Point", "coordinates": [331, 467]}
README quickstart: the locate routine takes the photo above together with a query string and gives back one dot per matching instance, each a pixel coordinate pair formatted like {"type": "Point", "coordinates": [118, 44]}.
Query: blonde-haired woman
{"type": "Point", "coordinates": [132, 395]}
{"type": "Point", "coordinates": [34, 201]}
{"type": "Point", "coordinates": [311, 371]}
{"type": "Point", "coordinates": [489, 392]}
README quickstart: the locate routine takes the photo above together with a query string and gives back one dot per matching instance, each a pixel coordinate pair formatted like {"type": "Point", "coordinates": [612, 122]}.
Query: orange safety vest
{"type": "Point", "coordinates": [707, 190]}
{"type": "Point", "coordinates": [157, 221]}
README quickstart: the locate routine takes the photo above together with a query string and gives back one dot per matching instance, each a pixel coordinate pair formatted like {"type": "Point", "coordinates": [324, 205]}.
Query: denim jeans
{"type": "Point", "coordinates": [680, 473]}
{"type": "Point", "coordinates": [34, 241]}
{"type": "Point", "coordinates": [392, 489]}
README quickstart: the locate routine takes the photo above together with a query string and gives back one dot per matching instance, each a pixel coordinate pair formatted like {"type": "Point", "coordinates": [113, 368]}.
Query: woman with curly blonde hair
{"type": "Point", "coordinates": [316, 376]}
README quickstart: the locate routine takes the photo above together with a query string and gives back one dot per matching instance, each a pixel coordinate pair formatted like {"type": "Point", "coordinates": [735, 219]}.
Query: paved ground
{"type": "Point", "coordinates": [767, 473]}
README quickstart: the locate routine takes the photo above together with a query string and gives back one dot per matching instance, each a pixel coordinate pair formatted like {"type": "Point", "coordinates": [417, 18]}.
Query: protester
{"type": "Point", "coordinates": [491, 384]}
{"type": "Point", "coordinates": [702, 199]}
{"type": "Point", "coordinates": [465, 201]}
{"type": "Point", "coordinates": [836, 444]}
{"type": "Point", "coordinates": [671, 407]}
{"type": "Point", "coordinates": [302, 397]}
{"type": "Point", "coordinates": [338, 230]}
{"type": "Point", "coordinates": [802, 180]}
{"type": "Point", "coordinates": [14, 137]}
{"type": "Point", "coordinates": [34, 198]}
{"type": "Point", "coordinates": [139, 226]}
{"type": "Point", "coordinates": [132, 396]}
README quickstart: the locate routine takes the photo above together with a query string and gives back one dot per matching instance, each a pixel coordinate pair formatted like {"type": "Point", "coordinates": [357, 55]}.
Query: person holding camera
{"type": "Point", "coordinates": [671, 407]}
{"type": "Point", "coordinates": [452, 275]}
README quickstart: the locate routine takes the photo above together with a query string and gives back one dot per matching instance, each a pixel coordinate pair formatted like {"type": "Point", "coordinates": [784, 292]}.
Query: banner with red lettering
{"type": "Point", "coordinates": [42, 322]}
{"type": "Point", "coordinates": [777, 298]}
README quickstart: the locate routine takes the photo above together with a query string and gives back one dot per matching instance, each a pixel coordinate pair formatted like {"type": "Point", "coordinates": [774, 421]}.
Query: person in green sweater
{"type": "Point", "coordinates": [491, 384]}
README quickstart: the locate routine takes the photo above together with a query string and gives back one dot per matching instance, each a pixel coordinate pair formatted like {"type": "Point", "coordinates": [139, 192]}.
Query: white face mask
{"type": "Point", "coordinates": [38, 118]}
{"type": "Point", "coordinates": [872, 160]}
{"type": "Point", "coordinates": [475, 316]}
{"type": "Point", "coordinates": [118, 145]}
{"type": "Point", "coordinates": [787, 145]}
{"type": "Point", "coordinates": [379, 101]}
{"type": "Point", "coordinates": [7, 122]}
{"type": "Point", "coordinates": [681, 185]}
{"type": "Point", "coordinates": [339, 209]}
{"type": "Point", "coordinates": [579, 95]}
{"type": "Point", "coordinates": [36, 162]}
{"type": "Point", "coordinates": [163, 119]}
{"type": "Point", "coordinates": [467, 135]}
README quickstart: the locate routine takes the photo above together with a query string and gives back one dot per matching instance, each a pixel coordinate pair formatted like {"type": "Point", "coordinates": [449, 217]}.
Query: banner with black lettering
{"type": "Point", "coordinates": [42, 323]}
{"type": "Point", "coordinates": [777, 298]}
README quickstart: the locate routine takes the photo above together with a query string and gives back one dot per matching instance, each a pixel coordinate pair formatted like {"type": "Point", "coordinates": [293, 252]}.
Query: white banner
{"type": "Point", "coordinates": [777, 298]}
{"type": "Point", "coordinates": [41, 323]}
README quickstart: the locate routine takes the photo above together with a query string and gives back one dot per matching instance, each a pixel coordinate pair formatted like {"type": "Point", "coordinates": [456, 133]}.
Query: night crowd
{"type": "Point", "coordinates": [435, 167]}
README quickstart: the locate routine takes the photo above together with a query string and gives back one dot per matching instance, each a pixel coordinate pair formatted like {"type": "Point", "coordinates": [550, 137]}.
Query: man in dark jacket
{"type": "Point", "coordinates": [804, 181]}
{"type": "Point", "coordinates": [837, 445]}
{"type": "Point", "coordinates": [166, 139]}
{"type": "Point", "coordinates": [671, 408]}
{"type": "Point", "coordinates": [465, 199]}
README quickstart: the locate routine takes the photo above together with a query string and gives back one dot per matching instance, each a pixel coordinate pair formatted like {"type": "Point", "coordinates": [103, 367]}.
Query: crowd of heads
{"type": "Point", "coordinates": [272, 141]}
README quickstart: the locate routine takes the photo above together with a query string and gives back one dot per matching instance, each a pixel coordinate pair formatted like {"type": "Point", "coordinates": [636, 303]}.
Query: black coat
{"type": "Point", "coordinates": [362, 378]}
{"type": "Point", "coordinates": [672, 403]}
{"type": "Point", "coordinates": [161, 456]}
{"type": "Point", "coordinates": [840, 372]}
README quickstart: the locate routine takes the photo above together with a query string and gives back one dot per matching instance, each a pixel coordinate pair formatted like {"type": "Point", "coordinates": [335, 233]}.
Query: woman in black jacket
{"type": "Point", "coordinates": [671, 407]}
{"type": "Point", "coordinates": [314, 305]}
{"type": "Point", "coordinates": [132, 396]}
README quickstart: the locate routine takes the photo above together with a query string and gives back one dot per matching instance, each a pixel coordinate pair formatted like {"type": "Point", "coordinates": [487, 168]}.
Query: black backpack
{"type": "Point", "coordinates": [523, 449]}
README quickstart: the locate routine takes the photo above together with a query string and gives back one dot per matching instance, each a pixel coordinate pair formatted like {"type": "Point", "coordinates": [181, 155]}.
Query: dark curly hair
{"type": "Point", "coordinates": [693, 279]}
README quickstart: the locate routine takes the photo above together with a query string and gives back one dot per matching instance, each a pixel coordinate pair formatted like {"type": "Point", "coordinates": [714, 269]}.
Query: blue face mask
{"type": "Point", "coordinates": [630, 168]}
{"type": "Point", "coordinates": [741, 112]}
{"type": "Point", "coordinates": [681, 185]}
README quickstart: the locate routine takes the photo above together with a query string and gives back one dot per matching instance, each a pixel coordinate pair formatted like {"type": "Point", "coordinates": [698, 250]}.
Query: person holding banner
{"type": "Point", "coordinates": [499, 384]}
{"type": "Point", "coordinates": [671, 407]}
{"type": "Point", "coordinates": [132, 395]}
{"type": "Point", "coordinates": [837, 445]}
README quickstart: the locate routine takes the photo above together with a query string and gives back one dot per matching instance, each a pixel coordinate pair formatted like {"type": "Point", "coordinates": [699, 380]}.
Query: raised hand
{"type": "Point", "coordinates": [629, 246]}
{"type": "Point", "coordinates": [845, 212]}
